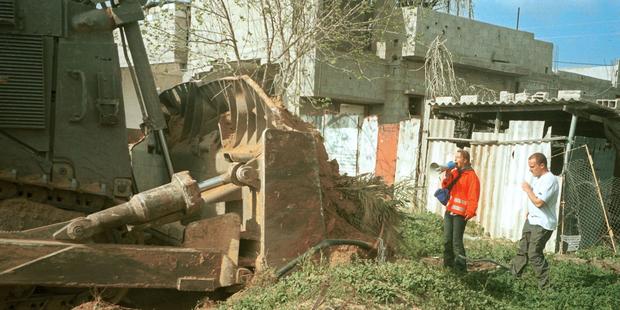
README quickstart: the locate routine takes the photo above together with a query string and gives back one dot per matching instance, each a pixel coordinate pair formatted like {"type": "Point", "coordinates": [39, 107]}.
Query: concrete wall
{"type": "Point", "coordinates": [593, 88]}
{"type": "Point", "coordinates": [493, 80]}
{"type": "Point", "coordinates": [345, 81]}
{"type": "Point", "coordinates": [166, 76]}
{"type": "Point", "coordinates": [476, 43]}
{"type": "Point", "coordinates": [608, 73]}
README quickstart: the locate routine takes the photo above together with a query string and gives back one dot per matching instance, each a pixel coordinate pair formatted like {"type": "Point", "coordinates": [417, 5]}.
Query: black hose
{"type": "Point", "coordinates": [323, 244]}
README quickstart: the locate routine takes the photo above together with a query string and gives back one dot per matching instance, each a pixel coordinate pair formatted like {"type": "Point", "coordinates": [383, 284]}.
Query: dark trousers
{"type": "Point", "coordinates": [454, 250]}
{"type": "Point", "coordinates": [531, 248]}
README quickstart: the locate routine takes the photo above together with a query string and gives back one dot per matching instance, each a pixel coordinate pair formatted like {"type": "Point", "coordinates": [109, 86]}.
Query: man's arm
{"type": "Point", "coordinates": [527, 188]}
{"type": "Point", "coordinates": [449, 175]}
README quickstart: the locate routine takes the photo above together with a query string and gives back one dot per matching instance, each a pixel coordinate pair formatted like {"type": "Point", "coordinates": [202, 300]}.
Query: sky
{"type": "Point", "coordinates": [582, 31]}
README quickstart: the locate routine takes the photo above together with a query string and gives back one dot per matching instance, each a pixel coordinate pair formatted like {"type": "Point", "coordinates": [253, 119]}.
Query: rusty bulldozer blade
{"type": "Point", "coordinates": [264, 209]}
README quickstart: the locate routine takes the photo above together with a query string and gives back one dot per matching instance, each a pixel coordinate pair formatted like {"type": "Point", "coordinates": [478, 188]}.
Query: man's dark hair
{"type": "Point", "coordinates": [464, 154]}
{"type": "Point", "coordinates": [540, 158]}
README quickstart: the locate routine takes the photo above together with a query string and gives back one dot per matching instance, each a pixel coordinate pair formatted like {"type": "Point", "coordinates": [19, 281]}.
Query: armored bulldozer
{"type": "Point", "coordinates": [216, 190]}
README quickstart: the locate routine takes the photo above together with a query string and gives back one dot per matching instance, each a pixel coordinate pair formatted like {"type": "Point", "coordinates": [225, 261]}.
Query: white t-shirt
{"type": "Point", "coordinates": [546, 188]}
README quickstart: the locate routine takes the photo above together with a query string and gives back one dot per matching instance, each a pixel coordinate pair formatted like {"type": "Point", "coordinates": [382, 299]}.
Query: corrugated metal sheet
{"type": "Point", "coordinates": [367, 146]}
{"type": "Point", "coordinates": [407, 153]}
{"type": "Point", "coordinates": [341, 136]}
{"type": "Point", "coordinates": [501, 169]}
{"type": "Point", "coordinates": [527, 103]}
{"type": "Point", "coordinates": [439, 152]}
{"type": "Point", "coordinates": [550, 101]}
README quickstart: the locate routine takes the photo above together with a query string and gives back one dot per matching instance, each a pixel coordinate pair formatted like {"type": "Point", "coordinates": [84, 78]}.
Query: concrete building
{"type": "Point", "coordinates": [494, 57]}
{"type": "Point", "coordinates": [608, 73]}
{"type": "Point", "coordinates": [393, 84]}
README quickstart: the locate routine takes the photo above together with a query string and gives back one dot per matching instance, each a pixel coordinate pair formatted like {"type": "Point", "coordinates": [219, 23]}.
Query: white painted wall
{"type": "Point", "coordinates": [367, 145]}
{"type": "Point", "coordinates": [408, 147]}
{"type": "Point", "coordinates": [349, 139]}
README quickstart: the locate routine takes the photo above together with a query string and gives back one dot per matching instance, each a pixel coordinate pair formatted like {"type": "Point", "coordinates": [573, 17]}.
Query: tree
{"type": "Point", "coordinates": [287, 34]}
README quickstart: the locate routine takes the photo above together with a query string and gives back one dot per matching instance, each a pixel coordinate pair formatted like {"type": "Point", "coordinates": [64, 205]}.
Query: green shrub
{"type": "Point", "coordinates": [422, 235]}
{"type": "Point", "coordinates": [409, 282]}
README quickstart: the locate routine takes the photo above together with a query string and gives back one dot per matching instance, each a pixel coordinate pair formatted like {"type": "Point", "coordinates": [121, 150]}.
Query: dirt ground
{"type": "Point", "coordinates": [605, 264]}
{"type": "Point", "coordinates": [99, 305]}
{"type": "Point", "coordinates": [25, 214]}
{"type": "Point", "coordinates": [471, 266]}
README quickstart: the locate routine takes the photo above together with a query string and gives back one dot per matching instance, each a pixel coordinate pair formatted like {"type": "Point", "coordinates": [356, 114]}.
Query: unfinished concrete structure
{"type": "Point", "coordinates": [392, 84]}
{"type": "Point", "coordinates": [494, 57]}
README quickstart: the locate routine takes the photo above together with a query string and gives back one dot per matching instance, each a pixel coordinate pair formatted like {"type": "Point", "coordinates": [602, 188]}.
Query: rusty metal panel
{"type": "Point", "coordinates": [387, 147]}
{"type": "Point", "coordinates": [96, 265]}
{"type": "Point", "coordinates": [407, 153]}
{"type": "Point", "coordinates": [367, 145]}
{"type": "Point", "coordinates": [289, 200]}
{"type": "Point", "coordinates": [316, 121]}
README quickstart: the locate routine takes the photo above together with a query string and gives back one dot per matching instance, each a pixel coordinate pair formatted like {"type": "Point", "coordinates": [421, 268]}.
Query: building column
{"type": "Point", "coordinates": [395, 108]}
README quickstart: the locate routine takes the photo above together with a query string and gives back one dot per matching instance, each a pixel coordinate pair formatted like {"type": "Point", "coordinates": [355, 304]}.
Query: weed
{"type": "Point", "coordinates": [409, 283]}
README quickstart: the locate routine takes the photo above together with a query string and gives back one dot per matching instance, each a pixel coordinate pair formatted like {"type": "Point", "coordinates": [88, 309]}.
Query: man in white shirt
{"type": "Point", "coordinates": [541, 220]}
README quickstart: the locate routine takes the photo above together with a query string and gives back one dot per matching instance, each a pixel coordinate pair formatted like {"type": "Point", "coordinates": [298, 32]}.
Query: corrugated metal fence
{"type": "Point", "coordinates": [354, 142]}
{"type": "Point", "coordinates": [360, 145]}
{"type": "Point", "coordinates": [502, 168]}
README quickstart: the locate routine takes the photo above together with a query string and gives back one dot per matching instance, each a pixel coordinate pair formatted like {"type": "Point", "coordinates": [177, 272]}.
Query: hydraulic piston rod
{"type": "Point", "coordinates": [166, 203]}
{"type": "Point", "coordinates": [181, 196]}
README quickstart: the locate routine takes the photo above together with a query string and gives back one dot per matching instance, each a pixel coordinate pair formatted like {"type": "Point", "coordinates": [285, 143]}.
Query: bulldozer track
{"type": "Point", "coordinates": [32, 206]}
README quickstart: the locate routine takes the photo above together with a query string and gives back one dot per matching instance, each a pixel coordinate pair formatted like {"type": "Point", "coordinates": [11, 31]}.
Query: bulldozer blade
{"type": "Point", "coordinates": [57, 263]}
{"type": "Point", "coordinates": [289, 199]}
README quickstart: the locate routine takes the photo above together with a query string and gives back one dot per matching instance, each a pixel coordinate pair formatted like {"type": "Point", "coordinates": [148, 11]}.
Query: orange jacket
{"type": "Point", "coordinates": [464, 194]}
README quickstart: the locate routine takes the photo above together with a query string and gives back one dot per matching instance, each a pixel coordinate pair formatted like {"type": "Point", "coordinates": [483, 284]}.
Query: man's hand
{"type": "Point", "coordinates": [526, 187]}
{"type": "Point", "coordinates": [469, 215]}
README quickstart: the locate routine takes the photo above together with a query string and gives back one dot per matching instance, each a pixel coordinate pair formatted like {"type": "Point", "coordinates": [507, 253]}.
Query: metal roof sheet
{"type": "Point", "coordinates": [567, 105]}
{"type": "Point", "coordinates": [551, 101]}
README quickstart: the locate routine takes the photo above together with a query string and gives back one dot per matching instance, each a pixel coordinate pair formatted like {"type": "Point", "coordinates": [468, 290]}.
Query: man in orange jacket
{"type": "Point", "coordinates": [461, 207]}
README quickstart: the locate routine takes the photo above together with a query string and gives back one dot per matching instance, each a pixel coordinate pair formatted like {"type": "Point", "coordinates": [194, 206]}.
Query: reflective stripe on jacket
{"type": "Point", "coordinates": [464, 194]}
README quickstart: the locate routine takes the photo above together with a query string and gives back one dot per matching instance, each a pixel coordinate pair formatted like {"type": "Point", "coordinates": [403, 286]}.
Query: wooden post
{"type": "Point", "coordinates": [600, 197]}
{"type": "Point", "coordinates": [561, 215]}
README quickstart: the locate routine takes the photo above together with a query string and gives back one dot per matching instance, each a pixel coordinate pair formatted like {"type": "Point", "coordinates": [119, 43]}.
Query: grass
{"type": "Point", "coordinates": [409, 282]}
